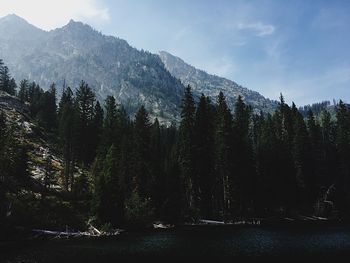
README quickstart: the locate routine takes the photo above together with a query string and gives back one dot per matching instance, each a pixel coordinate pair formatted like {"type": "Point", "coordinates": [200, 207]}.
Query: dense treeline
{"type": "Point", "coordinates": [215, 164]}
{"type": "Point", "coordinates": [316, 108]}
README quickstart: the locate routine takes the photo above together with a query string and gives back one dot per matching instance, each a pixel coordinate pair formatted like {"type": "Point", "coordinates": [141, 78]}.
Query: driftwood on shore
{"type": "Point", "coordinates": [241, 222]}
{"type": "Point", "coordinates": [159, 225]}
{"type": "Point", "coordinates": [91, 232]}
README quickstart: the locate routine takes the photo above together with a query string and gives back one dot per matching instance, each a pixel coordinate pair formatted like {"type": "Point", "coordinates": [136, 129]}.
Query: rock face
{"type": "Point", "coordinates": [211, 85]}
{"type": "Point", "coordinates": [12, 103]}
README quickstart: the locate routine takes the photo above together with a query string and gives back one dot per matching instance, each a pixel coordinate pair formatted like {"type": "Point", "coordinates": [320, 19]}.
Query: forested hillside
{"type": "Point", "coordinates": [114, 171]}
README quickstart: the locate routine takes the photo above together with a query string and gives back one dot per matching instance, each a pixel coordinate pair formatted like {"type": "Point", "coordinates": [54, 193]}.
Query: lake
{"type": "Point", "coordinates": [292, 243]}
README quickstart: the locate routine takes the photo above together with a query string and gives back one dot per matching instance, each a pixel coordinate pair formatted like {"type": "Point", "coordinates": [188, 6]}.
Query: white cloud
{"type": "Point", "coordinates": [258, 28]}
{"type": "Point", "coordinates": [49, 14]}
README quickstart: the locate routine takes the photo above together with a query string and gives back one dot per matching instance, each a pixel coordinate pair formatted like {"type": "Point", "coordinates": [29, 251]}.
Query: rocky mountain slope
{"type": "Point", "coordinates": [32, 137]}
{"type": "Point", "coordinates": [110, 66]}
{"type": "Point", "coordinates": [211, 85]}
{"type": "Point", "coordinates": [35, 197]}
{"type": "Point", "coordinates": [76, 51]}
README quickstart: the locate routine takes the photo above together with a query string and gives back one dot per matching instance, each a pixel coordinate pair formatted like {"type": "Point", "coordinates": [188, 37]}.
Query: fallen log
{"type": "Point", "coordinates": [92, 232]}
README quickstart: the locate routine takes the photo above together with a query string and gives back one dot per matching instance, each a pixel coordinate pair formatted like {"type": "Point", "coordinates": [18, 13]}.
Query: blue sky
{"type": "Point", "coordinates": [299, 48]}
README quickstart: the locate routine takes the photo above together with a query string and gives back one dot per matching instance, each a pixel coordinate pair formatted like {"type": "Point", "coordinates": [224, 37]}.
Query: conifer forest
{"type": "Point", "coordinates": [216, 163]}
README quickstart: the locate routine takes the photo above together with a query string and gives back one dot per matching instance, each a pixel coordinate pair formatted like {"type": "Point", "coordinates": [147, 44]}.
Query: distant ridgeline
{"type": "Point", "coordinates": [318, 108]}
{"type": "Point", "coordinates": [82, 163]}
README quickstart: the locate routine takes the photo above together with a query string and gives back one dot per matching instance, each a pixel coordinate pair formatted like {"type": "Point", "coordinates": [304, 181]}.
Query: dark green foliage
{"type": "Point", "coordinates": [223, 186]}
{"type": "Point", "coordinates": [108, 203]}
{"type": "Point", "coordinates": [138, 211]}
{"type": "Point", "coordinates": [316, 108]}
{"type": "Point", "coordinates": [243, 174]}
{"type": "Point", "coordinates": [23, 90]}
{"type": "Point", "coordinates": [68, 120]}
{"type": "Point", "coordinates": [13, 167]}
{"type": "Point", "coordinates": [110, 122]}
{"type": "Point", "coordinates": [186, 148]}
{"type": "Point", "coordinates": [7, 83]}
{"type": "Point", "coordinates": [204, 154]}
{"type": "Point", "coordinates": [142, 176]}
{"type": "Point", "coordinates": [215, 165]}
{"type": "Point", "coordinates": [343, 153]}
{"type": "Point", "coordinates": [47, 115]}
{"type": "Point", "coordinates": [87, 131]}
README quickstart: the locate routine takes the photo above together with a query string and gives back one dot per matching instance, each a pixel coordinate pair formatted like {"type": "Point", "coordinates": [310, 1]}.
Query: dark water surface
{"type": "Point", "coordinates": [200, 242]}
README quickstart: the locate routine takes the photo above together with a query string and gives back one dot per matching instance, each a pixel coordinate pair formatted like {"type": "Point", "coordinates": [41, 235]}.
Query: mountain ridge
{"type": "Point", "coordinates": [76, 52]}
{"type": "Point", "coordinates": [210, 84]}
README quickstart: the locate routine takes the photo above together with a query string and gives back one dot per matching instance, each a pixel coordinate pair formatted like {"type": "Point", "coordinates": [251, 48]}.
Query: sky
{"type": "Point", "coordinates": [298, 48]}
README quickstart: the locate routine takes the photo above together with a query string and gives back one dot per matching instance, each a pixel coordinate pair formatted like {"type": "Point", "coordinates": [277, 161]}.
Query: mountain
{"type": "Point", "coordinates": [211, 85]}
{"type": "Point", "coordinates": [110, 66]}
{"type": "Point", "coordinates": [77, 51]}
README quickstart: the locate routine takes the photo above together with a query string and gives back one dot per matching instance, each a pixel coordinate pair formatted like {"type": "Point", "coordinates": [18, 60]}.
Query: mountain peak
{"type": "Point", "coordinates": [13, 18]}
{"type": "Point", "coordinates": [77, 25]}
{"type": "Point", "coordinates": [72, 22]}
{"type": "Point", "coordinates": [12, 26]}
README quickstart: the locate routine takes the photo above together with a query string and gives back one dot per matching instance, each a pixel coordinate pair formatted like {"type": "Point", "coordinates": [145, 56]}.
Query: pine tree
{"type": "Point", "coordinates": [243, 173]}
{"type": "Point", "coordinates": [109, 124]}
{"type": "Point", "coordinates": [156, 162]}
{"type": "Point", "coordinates": [223, 157]}
{"type": "Point", "coordinates": [96, 129]}
{"type": "Point", "coordinates": [329, 151]}
{"type": "Point", "coordinates": [7, 83]}
{"type": "Point", "coordinates": [85, 99]}
{"type": "Point", "coordinates": [204, 153]}
{"type": "Point", "coordinates": [315, 155]}
{"type": "Point", "coordinates": [266, 156]}
{"type": "Point", "coordinates": [23, 90]}
{"type": "Point", "coordinates": [286, 180]}
{"type": "Point", "coordinates": [142, 176]}
{"type": "Point", "coordinates": [186, 151]}
{"type": "Point", "coordinates": [46, 112]}
{"type": "Point", "coordinates": [68, 119]}
{"type": "Point", "coordinates": [305, 174]}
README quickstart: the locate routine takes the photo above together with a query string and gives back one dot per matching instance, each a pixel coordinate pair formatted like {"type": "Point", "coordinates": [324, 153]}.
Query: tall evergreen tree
{"type": "Point", "coordinates": [46, 114]}
{"type": "Point", "coordinates": [68, 119]}
{"type": "Point", "coordinates": [7, 83]}
{"type": "Point", "coordinates": [109, 124]}
{"type": "Point", "coordinates": [329, 151]}
{"type": "Point", "coordinates": [302, 161]}
{"type": "Point", "coordinates": [96, 129]}
{"type": "Point", "coordinates": [223, 157]}
{"type": "Point", "coordinates": [142, 176]}
{"type": "Point", "coordinates": [23, 90]}
{"type": "Point", "coordinates": [243, 173]}
{"type": "Point", "coordinates": [186, 150]}
{"type": "Point", "coordinates": [156, 162]}
{"type": "Point", "coordinates": [316, 177]}
{"type": "Point", "coordinates": [204, 154]}
{"type": "Point", "coordinates": [85, 99]}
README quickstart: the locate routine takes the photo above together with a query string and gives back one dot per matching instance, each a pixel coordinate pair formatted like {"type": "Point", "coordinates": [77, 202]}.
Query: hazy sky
{"type": "Point", "coordinates": [300, 48]}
